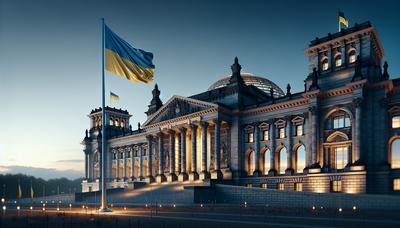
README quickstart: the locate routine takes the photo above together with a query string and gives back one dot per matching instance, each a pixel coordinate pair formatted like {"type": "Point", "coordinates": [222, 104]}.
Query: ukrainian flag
{"type": "Point", "coordinates": [343, 20]}
{"type": "Point", "coordinates": [126, 61]}
{"type": "Point", "coordinates": [113, 96]}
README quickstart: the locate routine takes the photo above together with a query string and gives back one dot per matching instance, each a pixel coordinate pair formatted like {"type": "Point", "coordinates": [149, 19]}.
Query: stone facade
{"type": "Point", "coordinates": [336, 135]}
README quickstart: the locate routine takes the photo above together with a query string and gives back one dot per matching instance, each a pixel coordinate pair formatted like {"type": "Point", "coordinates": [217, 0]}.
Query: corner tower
{"type": "Point", "coordinates": [336, 56]}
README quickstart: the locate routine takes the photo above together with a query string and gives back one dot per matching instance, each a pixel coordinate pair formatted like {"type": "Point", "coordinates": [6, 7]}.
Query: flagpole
{"type": "Point", "coordinates": [103, 207]}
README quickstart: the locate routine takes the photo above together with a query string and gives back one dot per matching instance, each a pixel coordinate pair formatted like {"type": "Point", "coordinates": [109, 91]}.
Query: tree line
{"type": "Point", "coordinates": [41, 187]}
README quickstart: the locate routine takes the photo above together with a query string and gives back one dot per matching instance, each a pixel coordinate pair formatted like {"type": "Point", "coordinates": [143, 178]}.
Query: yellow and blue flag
{"type": "Point", "coordinates": [126, 61]}
{"type": "Point", "coordinates": [343, 20]}
{"type": "Point", "coordinates": [113, 96]}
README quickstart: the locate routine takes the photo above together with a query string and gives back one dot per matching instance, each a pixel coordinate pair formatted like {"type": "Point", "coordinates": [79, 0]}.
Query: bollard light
{"type": "Point", "coordinates": [313, 207]}
{"type": "Point", "coordinates": [44, 205]}
{"type": "Point", "coordinates": [174, 205]}
{"type": "Point", "coordinates": [83, 206]}
{"type": "Point", "coordinates": [125, 208]}
{"type": "Point", "coordinates": [30, 208]}
{"type": "Point", "coordinates": [146, 204]}
{"type": "Point", "coordinates": [43, 209]}
{"type": "Point", "coordinates": [4, 208]}
{"type": "Point", "coordinates": [70, 205]}
{"type": "Point", "coordinates": [340, 209]}
{"type": "Point", "coordinates": [3, 200]}
{"type": "Point", "coordinates": [201, 205]}
{"type": "Point", "coordinates": [354, 208]}
{"type": "Point", "coordinates": [18, 208]}
{"type": "Point", "coordinates": [160, 205]}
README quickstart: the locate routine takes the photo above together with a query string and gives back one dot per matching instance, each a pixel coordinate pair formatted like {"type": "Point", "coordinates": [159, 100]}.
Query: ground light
{"type": "Point", "coordinates": [340, 209]}
{"type": "Point", "coordinates": [3, 200]}
{"type": "Point", "coordinates": [313, 207]}
{"type": "Point", "coordinates": [4, 208]}
{"type": "Point", "coordinates": [354, 208]}
{"type": "Point", "coordinates": [30, 208]}
{"type": "Point", "coordinates": [174, 205]}
{"type": "Point", "coordinates": [58, 209]}
{"type": "Point", "coordinates": [18, 208]}
{"type": "Point", "coordinates": [201, 205]}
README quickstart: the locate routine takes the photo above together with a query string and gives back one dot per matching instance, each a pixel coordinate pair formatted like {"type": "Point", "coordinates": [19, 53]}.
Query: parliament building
{"type": "Point", "coordinates": [340, 134]}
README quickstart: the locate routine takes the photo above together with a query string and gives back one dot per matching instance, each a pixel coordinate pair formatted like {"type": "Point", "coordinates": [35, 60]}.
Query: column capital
{"type": "Point", "coordinates": [313, 109]}
{"type": "Point", "coordinates": [193, 126]}
{"type": "Point", "coordinates": [357, 102]}
{"type": "Point", "coordinates": [204, 124]}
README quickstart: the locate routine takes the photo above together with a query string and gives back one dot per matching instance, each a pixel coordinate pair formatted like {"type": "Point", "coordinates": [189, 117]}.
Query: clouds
{"type": "Point", "coordinates": [45, 173]}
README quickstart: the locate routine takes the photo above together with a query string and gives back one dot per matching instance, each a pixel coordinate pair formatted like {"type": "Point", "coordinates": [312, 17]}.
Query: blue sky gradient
{"type": "Point", "coordinates": [50, 59]}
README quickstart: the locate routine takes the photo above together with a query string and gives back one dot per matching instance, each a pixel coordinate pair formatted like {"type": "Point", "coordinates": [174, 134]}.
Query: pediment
{"type": "Point", "coordinates": [337, 136]}
{"type": "Point", "coordinates": [176, 107]}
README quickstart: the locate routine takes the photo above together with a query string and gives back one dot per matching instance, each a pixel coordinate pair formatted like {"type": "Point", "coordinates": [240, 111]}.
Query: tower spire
{"type": "Point", "coordinates": [155, 102]}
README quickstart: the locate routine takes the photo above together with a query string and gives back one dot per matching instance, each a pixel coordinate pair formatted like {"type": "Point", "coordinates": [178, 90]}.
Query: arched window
{"type": "Point", "coordinates": [111, 122]}
{"type": "Point", "coordinates": [300, 159]}
{"type": "Point", "coordinates": [251, 163]}
{"type": "Point", "coordinates": [352, 56]}
{"type": "Point", "coordinates": [282, 164]}
{"type": "Point", "coordinates": [325, 64]}
{"type": "Point", "coordinates": [116, 123]}
{"type": "Point", "coordinates": [338, 60]}
{"type": "Point", "coordinates": [267, 160]}
{"type": "Point", "coordinates": [395, 154]}
{"type": "Point", "coordinates": [122, 123]}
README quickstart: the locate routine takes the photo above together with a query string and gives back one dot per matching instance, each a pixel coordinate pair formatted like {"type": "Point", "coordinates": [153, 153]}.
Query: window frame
{"type": "Point", "coordinates": [325, 64]}
{"type": "Point", "coordinates": [396, 184]}
{"type": "Point", "coordinates": [338, 58]}
{"type": "Point", "coordinates": [336, 186]}
{"type": "Point", "coordinates": [250, 137]}
{"type": "Point", "coordinates": [352, 56]}
{"type": "Point", "coordinates": [298, 187]}
{"type": "Point", "coordinates": [281, 133]}
{"type": "Point", "coordinates": [280, 186]}
{"type": "Point", "coordinates": [395, 118]}
{"type": "Point", "coordinates": [265, 135]}
{"type": "Point", "coordinates": [297, 129]}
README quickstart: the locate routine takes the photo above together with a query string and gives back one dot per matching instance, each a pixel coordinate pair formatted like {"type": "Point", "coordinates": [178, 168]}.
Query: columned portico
{"type": "Point", "coordinates": [149, 178]}
{"type": "Point", "coordinates": [193, 175]}
{"type": "Point", "coordinates": [183, 175]}
{"type": "Point", "coordinates": [217, 174]}
{"type": "Point", "coordinates": [204, 173]}
{"type": "Point", "coordinates": [160, 173]}
{"type": "Point", "coordinates": [171, 138]}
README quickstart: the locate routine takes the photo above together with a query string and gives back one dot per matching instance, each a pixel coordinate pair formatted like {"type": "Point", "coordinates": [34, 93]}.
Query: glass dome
{"type": "Point", "coordinates": [250, 79]}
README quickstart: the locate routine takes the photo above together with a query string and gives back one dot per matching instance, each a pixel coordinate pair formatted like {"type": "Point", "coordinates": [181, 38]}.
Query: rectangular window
{"type": "Point", "coordinates": [249, 185]}
{"type": "Point", "coordinates": [341, 122]}
{"type": "Point", "coordinates": [250, 137]}
{"type": "Point", "coordinates": [396, 184]}
{"type": "Point", "coordinates": [265, 135]}
{"type": "Point", "coordinates": [336, 186]}
{"type": "Point", "coordinates": [281, 186]}
{"type": "Point", "coordinates": [299, 130]}
{"type": "Point", "coordinates": [298, 187]}
{"type": "Point", "coordinates": [396, 122]}
{"type": "Point", "coordinates": [263, 185]}
{"type": "Point", "coordinates": [341, 157]}
{"type": "Point", "coordinates": [282, 133]}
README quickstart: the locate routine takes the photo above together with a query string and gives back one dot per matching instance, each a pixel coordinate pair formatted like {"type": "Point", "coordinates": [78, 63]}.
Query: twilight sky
{"type": "Point", "coordinates": [50, 60]}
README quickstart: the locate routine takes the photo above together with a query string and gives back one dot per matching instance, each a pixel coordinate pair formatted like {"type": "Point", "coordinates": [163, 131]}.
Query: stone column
{"type": "Point", "coordinates": [118, 176]}
{"type": "Point", "coordinates": [257, 171]}
{"type": "Point", "coordinates": [86, 164]}
{"type": "Point", "coordinates": [160, 173]}
{"type": "Point", "coordinates": [132, 163]}
{"type": "Point", "coordinates": [289, 170]}
{"type": "Point", "coordinates": [193, 171]}
{"type": "Point", "coordinates": [149, 178]}
{"type": "Point", "coordinates": [171, 176]}
{"type": "Point", "coordinates": [141, 162]}
{"type": "Point", "coordinates": [314, 136]}
{"type": "Point", "coordinates": [183, 175]}
{"type": "Point", "coordinates": [204, 173]}
{"type": "Point", "coordinates": [357, 144]}
{"type": "Point", "coordinates": [272, 170]}
{"type": "Point", "coordinates": [125, 164]}
{"type": "Point", "coordinates": [217, 174]}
